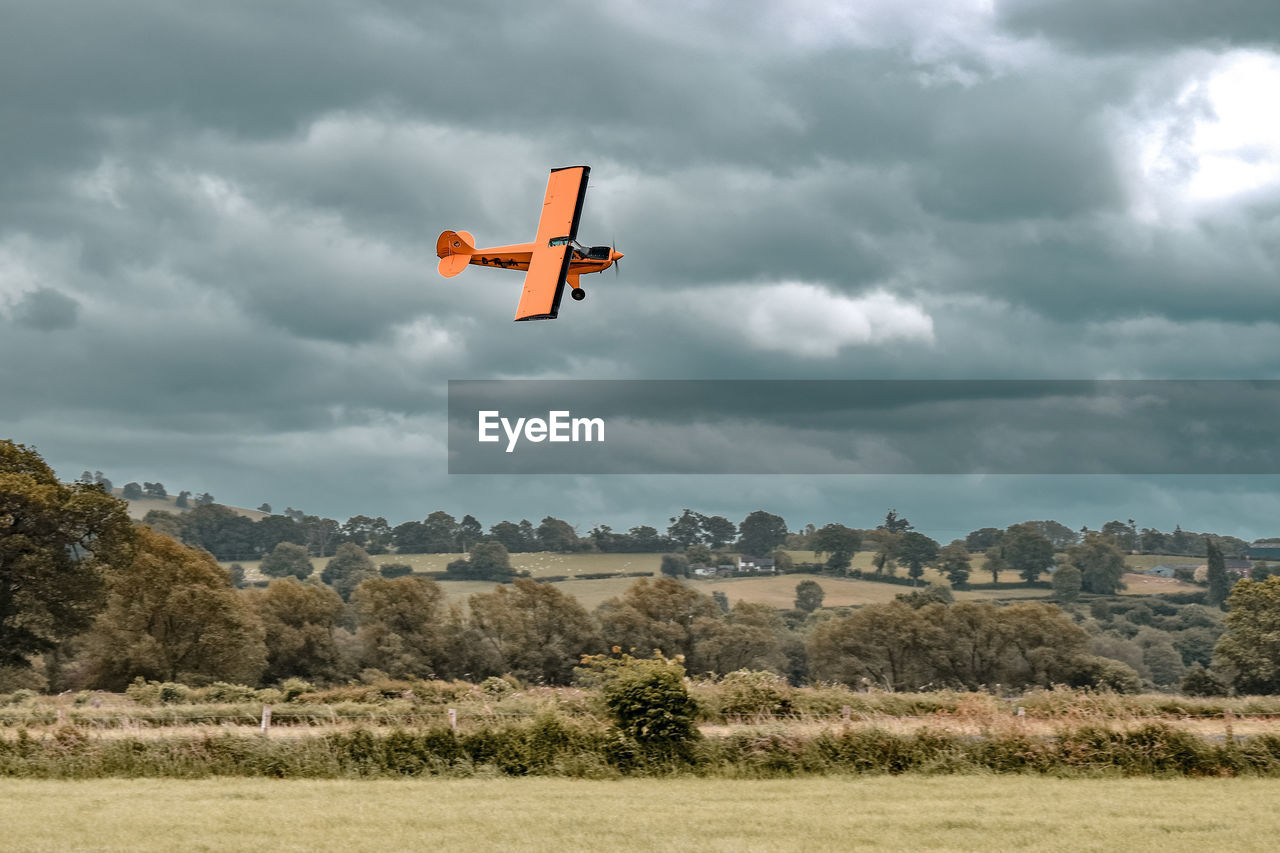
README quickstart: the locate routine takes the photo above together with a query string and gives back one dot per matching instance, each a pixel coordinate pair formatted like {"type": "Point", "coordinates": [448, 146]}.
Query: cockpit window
{"type": "Point", "coordinates": [559, 241]}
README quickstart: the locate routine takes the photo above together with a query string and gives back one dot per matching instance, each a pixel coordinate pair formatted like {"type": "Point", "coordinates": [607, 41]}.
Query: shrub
{"type": "Point", "coordinates": [750, 692]}
{"type": "Point", "coordinates": [395, 570]}
{"type": "Point", "coordinates": [649, 703]}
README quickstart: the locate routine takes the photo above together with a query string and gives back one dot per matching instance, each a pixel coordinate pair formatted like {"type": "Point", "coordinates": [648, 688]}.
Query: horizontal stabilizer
{"type": "Point", "coordinates": [454, 248]}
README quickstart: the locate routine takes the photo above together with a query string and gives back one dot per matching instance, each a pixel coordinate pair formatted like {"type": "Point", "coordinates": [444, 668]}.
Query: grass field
{"type": "Point", "coordinates": [862, 813]}
{"type": "Point", "coordinates": [775, 591]}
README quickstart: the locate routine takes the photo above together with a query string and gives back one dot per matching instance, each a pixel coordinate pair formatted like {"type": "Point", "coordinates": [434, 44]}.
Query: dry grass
{"type": "Point", "coordinates": [880, 812]}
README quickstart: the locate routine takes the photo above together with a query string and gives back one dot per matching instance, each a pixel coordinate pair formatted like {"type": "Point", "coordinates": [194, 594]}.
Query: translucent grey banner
{"type": "Point", "coordinates": [864, 427]}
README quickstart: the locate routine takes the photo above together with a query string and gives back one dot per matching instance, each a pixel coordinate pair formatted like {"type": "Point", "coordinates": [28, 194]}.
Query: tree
{"type": "Point", "coordinates": [649, 702]}
{"type": "Point", "coordinates": [916, 550]}
{"type": "Point", "coordinates": [300, 623]}
{"type": "Point", "coordinates": [1059, 535]}
{"type": "Point", "coordinates": [55, 542]}
{"type": "Point", "coordinates": [349, 568]}
{"type": "Point", "coordinates": [719, 531]}
{"type": "Point", "coordinates": [441, 532]}
{"type": "Point", "coordinates": [181, 502]}
{"type": "Point", "coordinates": [675, 565]}
{"type": "Point", "coordinates": [1250, 648]}
{"type": "Point", "coordinates": [1066, 582]}
{"type": "Point", "coordinates": [993, 561]}
{"type": "Point", "coordinates": [402, 626]}
{"type": "Point", "coordinates": [469, 532]}
{"type": "Point", "coordinates": [287, 559]}
{"type": "Point", "coordinates": [749, 636]}
{"type": "Point", "coordinates": [154, 490]}
{"type": "Point", "coordinates": [510, 535]}
{"type": "Point", "coordinates": [533, 631]}
{"type": "Point", "coordinates": [1219, 583]}
{"type": "Point", "coordinates": [699, 555]}
{"type": "Point", "coordinates": [980, 541]}
{"type": "Point", "coordinates": [889, 645]}
{"type": "Point", "coordinates": [1026, 551]}
{"type": "Point", "coordinates": [372, 534]}
{"type": "Point", "coordinates": [265, 507]}
{"type": "Point", "coordinates": [658, 614]}
{"type": "Point", "coordinates": [221, 531]}
{"type": "Point", "coordinates": [1100, 563]}
{"type": "Point", "coordinates": [809, 595]}
{"type": "Point", "coordinates": [885, 543]}
{"type": "Point", "coordinates": [761, 532]}
{"type": "Point", "coordinates": [487, 561]}
{"type": "Point", "coordinates": [132, 492]}
{"type": "Point", "coordinates": [953, 561]}
{"type": "Point", "coordinates": [840, 542]}
{"type": "Point", "coordinates": [556, 535]}
{"type": "Point", "coordinates": [687, 529]}
{"type": "Point", "coordinates": [204, 499]}
{"type": "Point", "coordinates": [172, 615]}
{"type": "Point", "coordinates": [895, 523]}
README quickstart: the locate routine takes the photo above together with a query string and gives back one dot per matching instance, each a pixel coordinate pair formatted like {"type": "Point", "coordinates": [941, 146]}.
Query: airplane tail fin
{"type": "Point", "coordinates": [454, 248]}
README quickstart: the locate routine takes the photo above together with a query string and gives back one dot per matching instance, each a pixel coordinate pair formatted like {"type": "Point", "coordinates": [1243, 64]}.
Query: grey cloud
{"type": "Point", "coordinates": [1099, 25]}
{"type": "Point", "coordinates": [46, 309]}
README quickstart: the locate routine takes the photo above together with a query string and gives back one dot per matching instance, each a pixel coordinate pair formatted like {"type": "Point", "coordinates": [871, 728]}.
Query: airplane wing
{"type": "Point", "coordinates": [557, 228]}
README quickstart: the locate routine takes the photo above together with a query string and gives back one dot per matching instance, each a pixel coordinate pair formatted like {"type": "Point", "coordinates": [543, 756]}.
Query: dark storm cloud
{"type": "Point", "coordinates": [236, 207]}
{"type": "Point", "coordinates": [1097, 25]}
{"type": "Point", "coordinates": [46, 309]}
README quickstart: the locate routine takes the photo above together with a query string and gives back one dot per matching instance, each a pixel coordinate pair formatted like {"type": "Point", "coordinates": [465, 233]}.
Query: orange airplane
{"type": "Point", "coordinates": [552, 257]}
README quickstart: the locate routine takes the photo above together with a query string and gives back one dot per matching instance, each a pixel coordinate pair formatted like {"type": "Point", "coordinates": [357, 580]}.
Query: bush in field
{"type": "Point", "coordinates": [752, 692]}
{"type": "Point", "coordinates": [285, 560]}
{"type": "Point", "coordinates": [395, 570]}
{"type": "Point", "coordinates": [649, 702]}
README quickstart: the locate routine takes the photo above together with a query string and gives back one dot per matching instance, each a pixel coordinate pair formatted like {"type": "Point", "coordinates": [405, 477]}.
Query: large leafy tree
{"type": "Point", "coordinates": [172, 615]}
{"type": "Point", "coordinates": [555, 534]}
{"type": "Point", "coordinates": [1250, 648]}
{"type": "Point", "coordinates": [687, 529]}
{"type": "Point", "coordinates": [487, 561]}
{"type": "Point", "coordinates": [916, 550]}
{"type": "Point", "coordinates": [402, 626]}
{"type": "Point", "coordinates": [533, 631]}
{"type": "Point", "coordinates": [287, 559]}
{"type": "Point", "coordinates": [300, 621]}
{"type": "Point", "coordinates": [953, 561]}
{"type": "Point", "coordinates": [658, 614]}
{"type": "Point", "coordinates": [1100, 562]}
{"type": "Point", "coordinates": [840, 543]}
{"type": "Point", "coordinates": [719, 531]}
{"type": "Point", "coordinates": [348, 568]}
{"type": "Point", "coordinates": [55, 541]}
{"type": "Point", "coordinates": [761, 532]}
{"type": "Point", "coordinates": [1027, 551]}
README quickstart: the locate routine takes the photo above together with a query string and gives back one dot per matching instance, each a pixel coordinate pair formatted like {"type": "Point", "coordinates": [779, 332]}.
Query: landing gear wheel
{"type": "Point", "coordinates": [578, 294]}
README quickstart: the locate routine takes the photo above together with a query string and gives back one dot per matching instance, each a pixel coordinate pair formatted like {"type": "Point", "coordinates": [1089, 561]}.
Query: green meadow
{"type": "Point", "coordinates": [890, 813]}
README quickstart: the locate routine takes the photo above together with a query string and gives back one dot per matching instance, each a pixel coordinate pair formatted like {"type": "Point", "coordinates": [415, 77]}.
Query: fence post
{"type": "Point", "coordinates": [453, 719]}
{"type": "Point", "coordinates": [266, 718]}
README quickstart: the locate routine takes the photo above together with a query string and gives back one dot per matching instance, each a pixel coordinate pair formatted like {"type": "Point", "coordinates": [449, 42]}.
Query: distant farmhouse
{"type": "Point", "coordinates": [742, 565]}
{"type": "Point", "coordinates": [1264, 549]}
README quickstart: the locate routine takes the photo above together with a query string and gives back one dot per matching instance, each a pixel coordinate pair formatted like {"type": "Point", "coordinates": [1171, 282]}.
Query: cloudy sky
{"type": "Point", "coordinates": [217, 230]}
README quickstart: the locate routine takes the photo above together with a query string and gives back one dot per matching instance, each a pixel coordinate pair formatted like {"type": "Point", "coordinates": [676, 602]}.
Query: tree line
{"type": "Point", "coordinates": [92, 600]}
